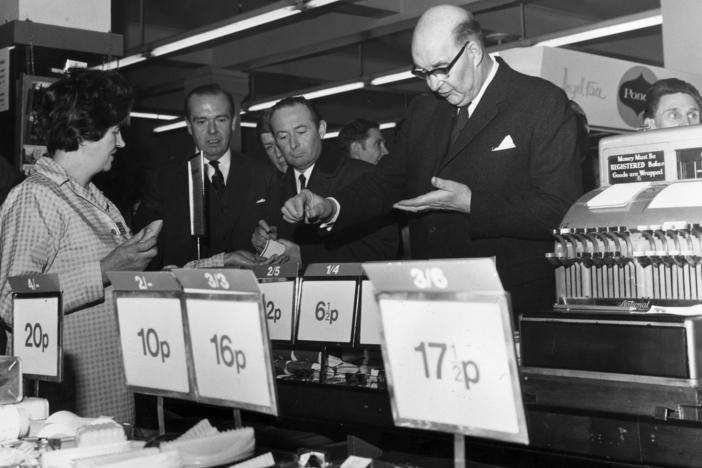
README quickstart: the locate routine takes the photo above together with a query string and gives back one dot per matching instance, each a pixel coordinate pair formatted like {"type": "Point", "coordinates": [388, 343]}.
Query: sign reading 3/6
{"type": "Point", "coordinates": [153, 344]}
{"type": "Point", "coordinates": [447, 363]}
{"type": "Point", "coordinates": [227, 340]}
{"type": "Point", "coordinates": [326, 311]}
{"type": "Point", "coordinates": [36, 335]}
{"type": "Point", "coordinates": [278, 306]}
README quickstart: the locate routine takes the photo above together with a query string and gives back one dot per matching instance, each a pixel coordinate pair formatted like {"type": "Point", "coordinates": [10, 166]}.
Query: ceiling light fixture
{"type": "Point", "coordinates": [237, 26]}
{"type": "Point", "coordinates": [616, 26]}
{"type": "Point", "coordinates": [313, 94]}
{"type": "Point", "coordinates": [248, 124]}
{"type": "Point", "coordinates": [391, 78]}
{"type": "Point", "coordinates": [152, 116]}
{"type": "Point", "coordinates": [121, 62]}
{"type": "Point", "coordinates": [171, 126]}
{"type": "Point", "coordinates": [335, 133]}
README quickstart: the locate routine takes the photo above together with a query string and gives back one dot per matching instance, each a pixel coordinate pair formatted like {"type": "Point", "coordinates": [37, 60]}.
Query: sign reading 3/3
{"type": "Point", "coordinates": [278, 307]}
{"type": "Point", "coordinates": [326, 311]}
{"type": "Point", "coordinates": [447, 363]}
{"type": "Point", "coordinates": [36, 333]}
{"type": "Point", "coordinates": [153, 344]}
{"type": "Point", "coordinates": [227, 341]}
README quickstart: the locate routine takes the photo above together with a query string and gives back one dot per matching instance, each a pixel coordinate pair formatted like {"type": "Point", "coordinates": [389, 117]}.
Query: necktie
{"type": "Point", "coordinates": [459, 122]}
{"type": "Point", "coordinates": [217, 177]}
{"type": "Point", "coordinates": [303, 182]}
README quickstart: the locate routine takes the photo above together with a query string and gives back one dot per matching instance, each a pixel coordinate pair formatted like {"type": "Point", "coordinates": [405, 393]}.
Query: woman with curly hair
{"type": "Point", "coordinates": [58, 221]}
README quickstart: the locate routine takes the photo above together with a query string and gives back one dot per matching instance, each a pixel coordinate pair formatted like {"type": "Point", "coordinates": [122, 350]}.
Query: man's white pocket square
{"type": "Point", "coordinates": [506, 144]}
{"type": "Point", "coordinates": [260, 200]}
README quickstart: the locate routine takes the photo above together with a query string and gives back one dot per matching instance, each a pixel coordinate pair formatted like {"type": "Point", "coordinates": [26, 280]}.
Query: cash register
{"type": "Point", "coordinates": [625, 333]}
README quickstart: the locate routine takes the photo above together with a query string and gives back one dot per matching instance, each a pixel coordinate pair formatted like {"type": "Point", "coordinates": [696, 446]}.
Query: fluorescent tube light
{"type": "Point", "coordinates": [334, 90]}
{"type": "Point", "coordinates": [605, 29]}
{"type": "Point", "coordinates": [238, 26]}
{"type": "Point", "coordinates": [121, 62]}
{"type": "Point", "coordinates": [382, 126]}
{"type": "Point", "coordinates": [248, 124]}
{"type": "Point", "coordinates": [392, 78]}
{"type": "Point", "coordinates": [153, 116]}
{"type": "Point", "coordinates": [317, 93]}
{"type": "Point", "coordinates": [171, 126]}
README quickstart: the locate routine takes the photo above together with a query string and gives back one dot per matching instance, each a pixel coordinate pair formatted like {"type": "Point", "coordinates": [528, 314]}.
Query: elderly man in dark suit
{"type": "Point", "coordinates": [298, 131]}
{"type": "Point", "coordinates": [487, 164]}
{"type": "Point", "coordinates": [234, 183]}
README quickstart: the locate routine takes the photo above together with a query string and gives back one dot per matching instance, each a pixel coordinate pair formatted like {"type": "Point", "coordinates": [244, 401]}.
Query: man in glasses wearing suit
{"type": "Point", "coordinates": [486, 164]}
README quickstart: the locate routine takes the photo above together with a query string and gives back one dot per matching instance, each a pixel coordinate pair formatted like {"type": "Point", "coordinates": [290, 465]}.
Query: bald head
{"type": "Point", "coordinates": [447, 48]}
{"type": "Point", "coordinates": [438, 22]}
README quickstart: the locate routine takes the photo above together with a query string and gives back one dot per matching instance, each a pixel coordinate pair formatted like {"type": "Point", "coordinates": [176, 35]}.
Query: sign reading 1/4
{"type": "Point", "coordinates": [465, 371]}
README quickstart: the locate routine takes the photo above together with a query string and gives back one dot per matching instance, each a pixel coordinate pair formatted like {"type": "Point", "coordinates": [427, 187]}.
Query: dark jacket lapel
{"type": "Point", "coordinates": [484, 113]}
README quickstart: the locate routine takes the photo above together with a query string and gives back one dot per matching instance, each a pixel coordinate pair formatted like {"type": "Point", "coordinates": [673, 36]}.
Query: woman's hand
{"type": "Point", "coordinates": [133, 254]}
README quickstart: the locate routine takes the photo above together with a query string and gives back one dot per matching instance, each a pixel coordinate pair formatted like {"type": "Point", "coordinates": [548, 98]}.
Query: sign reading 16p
{"type": "Point", "coordinates": [466, 372]}
{"type": "Point", "coordinates": [227, 356]}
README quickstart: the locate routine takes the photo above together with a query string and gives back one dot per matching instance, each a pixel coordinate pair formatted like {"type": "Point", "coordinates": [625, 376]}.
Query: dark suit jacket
{"type": "Point", "coordinates": [519, 194]}
{"type": "Point", "coordinates": [166, 197]}
{"type": "Point", "coordinates": [9, 177]}
{"type": "Point", "coordinates": [376, 239]}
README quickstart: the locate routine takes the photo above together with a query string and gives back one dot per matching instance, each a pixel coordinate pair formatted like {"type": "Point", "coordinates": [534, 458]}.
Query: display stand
{"type": "Point", "coordinates": [153, 344]}
{"type": "Point", "coordinates": [228, 340]}
{"type": "Point", "coordinates": [37, 326]}
{"type": "Point", "coordinates": [447, 341]}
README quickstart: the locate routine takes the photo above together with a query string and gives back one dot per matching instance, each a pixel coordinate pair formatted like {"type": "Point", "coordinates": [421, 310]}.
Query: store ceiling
{"type": "Point", "coordinates": [344, 41]}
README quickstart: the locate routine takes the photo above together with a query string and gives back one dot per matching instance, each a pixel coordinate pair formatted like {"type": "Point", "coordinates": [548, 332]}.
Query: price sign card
{"type": "Point", "coordinates": [327, 311]}
{"type": "Point", "coordinates": [370, 316]}
{"type": "Point", "coordinates": [449, 357]}
{"type": "Point", "coordinates": [217, 281]}
{"type": "Point", "coordinates": [279, 285]}
{"type": "Point", "coordinates": [37, 325]}
{"type": "Point", "coordinates": [231, 353]}
{"type": "Point", "coordinates": [150, 320]}
{"type": "Point", "coordinates": [278, 300]}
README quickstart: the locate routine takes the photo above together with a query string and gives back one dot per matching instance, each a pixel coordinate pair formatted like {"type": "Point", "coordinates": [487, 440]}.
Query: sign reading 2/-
{"type": "Point", "coordinates": [326, 311]}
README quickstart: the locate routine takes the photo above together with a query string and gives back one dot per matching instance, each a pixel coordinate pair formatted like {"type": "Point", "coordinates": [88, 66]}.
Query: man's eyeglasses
{"type": "Point", "coordinates": [439, 72]}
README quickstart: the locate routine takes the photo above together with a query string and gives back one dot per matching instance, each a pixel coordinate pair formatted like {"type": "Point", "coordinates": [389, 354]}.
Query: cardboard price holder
{"type": "Point", "coordinates": [37, 326]}
{"type": "Point", "coordinates": [150, 321]}
{"type": "Point", "coordinates": [280, 286]}
{"type": "Point", "coordinates": [328, 302]}
{"type": "Point", "coordinates": [448, 348]}
{"type": "Point", "coordinates": [227, 333]}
